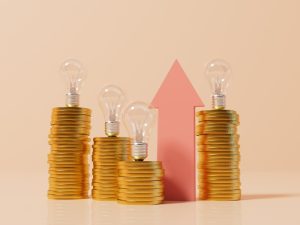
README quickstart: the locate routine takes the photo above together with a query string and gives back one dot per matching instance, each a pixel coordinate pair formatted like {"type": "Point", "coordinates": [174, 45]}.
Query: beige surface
{"type": "Point", "coordinates": [133, 44]}
{"type": "Point", "coordinates": [269, 198]}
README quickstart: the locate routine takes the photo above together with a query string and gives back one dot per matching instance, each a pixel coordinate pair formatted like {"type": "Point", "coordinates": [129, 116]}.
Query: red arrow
{"type": "Point", "coordinates": [176, 100]}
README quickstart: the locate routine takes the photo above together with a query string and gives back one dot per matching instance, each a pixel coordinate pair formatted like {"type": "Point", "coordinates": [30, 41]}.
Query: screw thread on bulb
{"type": "Point", "coordinates": [112, 128]}
{"type": "Point", "coordinates": [218, 101]}
{"type": "Point", "coordinates": [72, 100]}
{"type": "Point", "coordinates": [139, 151]}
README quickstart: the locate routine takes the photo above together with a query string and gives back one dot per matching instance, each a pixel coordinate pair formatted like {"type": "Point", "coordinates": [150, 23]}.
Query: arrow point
{"type": "Point", "coordinates": [176, 90]}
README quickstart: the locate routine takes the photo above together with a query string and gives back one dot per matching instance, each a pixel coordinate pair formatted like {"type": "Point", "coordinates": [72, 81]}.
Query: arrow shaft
{"type": "Point", "coordinates": [176, 149]}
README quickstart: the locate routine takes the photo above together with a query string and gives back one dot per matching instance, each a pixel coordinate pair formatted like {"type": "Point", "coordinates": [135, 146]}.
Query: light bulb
{"type": "Point", "coordinates": [111, 100]}
{"type": "Point", "coordinates": [218, 74]}
{"type": "Point", "coordinates": [139, 118]}
{"type": "Point", "coordinates": [73, 73]}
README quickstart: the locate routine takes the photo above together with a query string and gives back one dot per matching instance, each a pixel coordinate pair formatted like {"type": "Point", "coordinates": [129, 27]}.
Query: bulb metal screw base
{"type": "Point", "coordinates": [218, 101]}
{"type": "Point", "coordinates": [72, 100]}
{"type": "Point", "coordinates": [139, 151]}
{"type": "Point", "coordinates": [112, 128]}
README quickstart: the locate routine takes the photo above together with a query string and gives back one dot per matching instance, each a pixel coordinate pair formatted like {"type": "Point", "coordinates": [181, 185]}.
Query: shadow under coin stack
{"type": "Point", "coordinates": [140, 183]}
{"type": "Point", "coordinates": [68, 163]}
{"type": "Point", "coordinates": [107, 152]}
{"type": "Point", "coordinates": [218, 155]}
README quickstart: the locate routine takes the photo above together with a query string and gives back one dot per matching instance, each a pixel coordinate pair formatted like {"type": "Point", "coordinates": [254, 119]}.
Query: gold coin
{"type": "Point", "coordinates": [67, 197]}
{"type": "Point", "coordinates": [75, 169]}
{"type": "Point", "coordinates": [75, 136]}
{"type": "Point", "coordinates": [97, 185]}
{"type": "Point", "coordinates": [138, 195]}
{"type": "Point", "coordinates": [69, 144]}
{"type": "Point", "coordinates": [133, 175]}
{"type": "Point", "coordinates": [101, 163]}
{"type": "Point", "coordinates": [68, 140]}
{"type": "Point", "coordinates": [65, 123]}
{"type": "Point", "coordinates": [104, 182]}
{"type": "Point", "coordinates": [70, 120]}
{"type": "Point", "coordinates": [67, 158]}
{"type": "Point", "coordinates": [141, 171]}
{"type": "Point", "coordinates": [107, 176]}
{"type": "Point", "coordinates": [83, 166]}
{"type": "Point", "coordinates": [134, 185]}
{"type": "Point", "coordinates": [154, 202]}
{"type": "Point", "coordinates": [219, 160]}
{"type": "Point", "coordinates": [218, 137]}
{"type": "Point", "coordinates": [100, 139]}
{"type": "Point", "coordinates": [63, 193]}
{"type": "Point", "coordinates": [68, 184]}
{"type": "Point", "coordinates": [228, 184]}
{"type": "Point", "coordinates": [234, 147]}
{"type": "Point", "coordinates": [104, 158]}
{"type": "Point", "coordinates": [104, 192]}
{"type": "Point", "coordinates": [78, 173]}
{"type": "Point", "coordinates": [217, 111]}
{"type": "Point", "coordinates": [219, 154]}
{"type": "Point", "coordinates": [141, 191]}
{"type": "Point", "coordinates": [218, 165]}
{"type": "Point", "coordinates": [140, 199]}
{"type": "Point", "coordinates": [138, 179]}
{"type": "Point", "coordinates": [67, 108]}
{"type": "Point", "coordinates": [70, 116]}
{"type": "Point", "coordinates": [219, 185]}
{"type": "Point", "coordinates": [205, 175]}
{"type": "Point", "coordinates": [221, 192]}
{"type": "Point", "coordinates": [101, 167]}
{"type": "Point", "coordinates": [101, 194]}
{"type": "Point", "coordinates": [227, 128]}
{"type": "Point", "coordinates": [59, 178]}
{"type": "Point", "coordinates": [103, 198]}
{"type": "Point", "coordinates": [142, 164]}
{"type": "Point", "coordinates": [71, 127]}
{"type": "Point", "coordinates": [105, 170]}
{"type": "Point", "coordinates": [216, 142]}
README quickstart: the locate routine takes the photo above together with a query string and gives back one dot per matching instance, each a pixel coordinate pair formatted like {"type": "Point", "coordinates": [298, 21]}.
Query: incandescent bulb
{"type": "Point", "coordinates": [111, 100]}
{"type": "Point", "coordinates": [73, 73]}
{"type": "Point", "coordinates": [218, 74]}
{"type": "Point", "coordinates": [139, 118]}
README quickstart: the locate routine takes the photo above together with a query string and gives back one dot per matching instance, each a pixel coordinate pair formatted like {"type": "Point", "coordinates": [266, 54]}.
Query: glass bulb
{"type": "Point", "coordinates": [139, 118]}
{"type": "Point", "coordinates": [73, 74]}
{"type": "Point", "coordinates": [218, 73]}
{"type": "Point", "coordinates": [111, 100]}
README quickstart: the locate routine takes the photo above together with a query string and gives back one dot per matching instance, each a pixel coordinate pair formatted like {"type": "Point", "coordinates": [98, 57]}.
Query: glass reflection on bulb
{"type": "Point", "coordinates": [139, 118]}
{"type": "Point", "coordinates": [73, 73]}
{"type": "Point", "coordinates": [111, 100]}
{"type": "Point", "coordinates": [218, 73]}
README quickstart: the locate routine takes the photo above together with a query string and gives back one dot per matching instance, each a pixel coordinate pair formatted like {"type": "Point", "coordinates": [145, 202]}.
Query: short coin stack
{"type": "Point", "coordinates": [107, 152]}
{"type": "Point", "coordinates": [68, 163]}
{"type": "Point", "coordinates": [219, 155]}
{"type": "Point", "coordinates": [140, 182]}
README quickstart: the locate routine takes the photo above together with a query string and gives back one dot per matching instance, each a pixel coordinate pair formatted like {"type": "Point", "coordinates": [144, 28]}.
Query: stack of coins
{"type": "Point", "coordinates": [107, 152]}
{"type": "Point", "coordinates": [68, 163]}
{"type": "Point", "coordinates": [219, 155]}
{"type": "Point", "coordinates": [140, 182]}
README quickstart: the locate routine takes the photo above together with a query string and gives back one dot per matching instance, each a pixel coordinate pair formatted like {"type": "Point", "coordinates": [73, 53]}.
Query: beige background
{"type": "Point", "coordinates": [133, 43]}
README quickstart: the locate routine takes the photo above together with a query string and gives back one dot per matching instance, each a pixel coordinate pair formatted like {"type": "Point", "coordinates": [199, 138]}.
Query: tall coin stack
{"type": "Point", "coordinates": [219, 155]}
{"type": "Point", "coordinates": [68, 163]}
{"type": "Point", "coordinates": [140, 183]}
{"type": "Point", "coordinates": [107, 152]}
